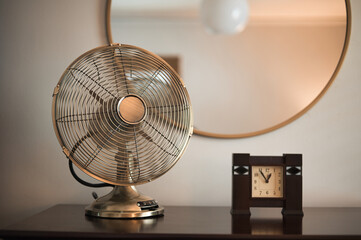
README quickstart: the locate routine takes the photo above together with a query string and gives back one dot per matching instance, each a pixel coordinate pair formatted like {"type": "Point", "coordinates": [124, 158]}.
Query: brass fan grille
{"type": "Point", "coordinates": [122, 114]}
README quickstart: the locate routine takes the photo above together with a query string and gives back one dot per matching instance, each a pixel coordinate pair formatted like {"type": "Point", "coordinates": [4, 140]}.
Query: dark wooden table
{"type": "Point", "coordinates": [69, 221]}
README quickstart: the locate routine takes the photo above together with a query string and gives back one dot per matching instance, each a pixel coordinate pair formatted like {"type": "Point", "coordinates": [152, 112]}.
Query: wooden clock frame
{"type": "Point", "coordinates": [242, 199]}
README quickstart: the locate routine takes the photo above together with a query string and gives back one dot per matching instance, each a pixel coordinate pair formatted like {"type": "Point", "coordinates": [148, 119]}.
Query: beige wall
{"type": "Point", "coordinates": [39, 39]}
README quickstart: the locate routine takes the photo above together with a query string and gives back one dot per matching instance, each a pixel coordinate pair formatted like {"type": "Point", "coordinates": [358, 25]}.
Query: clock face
{"type": "Point", "coordinates": [267, 181]}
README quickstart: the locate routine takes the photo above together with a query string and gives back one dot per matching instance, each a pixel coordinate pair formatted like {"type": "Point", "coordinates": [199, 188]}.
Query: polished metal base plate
{"type": "Point", "coordinates": [124, 202]}
{"type": "Point", "coordinates": [125, 214]}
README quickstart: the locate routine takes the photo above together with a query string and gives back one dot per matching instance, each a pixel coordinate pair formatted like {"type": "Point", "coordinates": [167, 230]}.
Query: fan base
{"type": "Point", "coordinates": [124, 202]}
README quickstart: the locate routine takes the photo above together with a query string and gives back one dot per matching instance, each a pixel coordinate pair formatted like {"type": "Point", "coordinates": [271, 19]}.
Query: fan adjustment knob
{"type": "Point", "coordinates": [132, 109]}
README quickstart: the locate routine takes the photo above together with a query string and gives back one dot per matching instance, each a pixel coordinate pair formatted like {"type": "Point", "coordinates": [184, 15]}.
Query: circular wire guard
{"type": "Point", "coordinates": [95, 93]}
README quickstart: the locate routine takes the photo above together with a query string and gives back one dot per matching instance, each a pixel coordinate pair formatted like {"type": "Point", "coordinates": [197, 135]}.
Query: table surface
{"type": "Point", "coordinates": [69, 221]}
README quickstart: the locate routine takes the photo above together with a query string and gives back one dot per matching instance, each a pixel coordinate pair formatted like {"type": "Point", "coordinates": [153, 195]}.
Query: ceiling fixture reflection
{"type": "Point", "coordinates": [224, 16]}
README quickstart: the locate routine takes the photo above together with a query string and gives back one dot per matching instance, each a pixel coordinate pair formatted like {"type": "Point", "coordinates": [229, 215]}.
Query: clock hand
{"type": "Point", "coordinates": [263, 176]}
{"type": "Point", "coordinates": [268, 177]}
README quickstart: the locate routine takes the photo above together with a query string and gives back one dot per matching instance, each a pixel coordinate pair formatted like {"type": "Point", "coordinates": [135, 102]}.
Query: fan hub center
{"type": "Point", "coordinates": [131, 109]}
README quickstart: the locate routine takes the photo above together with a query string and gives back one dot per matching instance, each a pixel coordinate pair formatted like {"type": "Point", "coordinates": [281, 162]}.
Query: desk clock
{"type": "Point", "coordinates": [267, 181]}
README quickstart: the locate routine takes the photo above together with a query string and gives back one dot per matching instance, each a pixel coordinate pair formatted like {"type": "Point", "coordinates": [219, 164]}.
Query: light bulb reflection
{"type": "Point", "coordinates": [224, 16]}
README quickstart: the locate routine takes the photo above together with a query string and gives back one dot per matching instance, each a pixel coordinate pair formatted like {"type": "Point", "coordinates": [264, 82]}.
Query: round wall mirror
{"type": "Point", "coordinates": [279, 64]}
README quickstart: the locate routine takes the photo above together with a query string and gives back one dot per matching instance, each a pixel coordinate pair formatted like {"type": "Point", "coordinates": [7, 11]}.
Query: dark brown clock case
{"type": "Point", "coordinates": [242, 200]}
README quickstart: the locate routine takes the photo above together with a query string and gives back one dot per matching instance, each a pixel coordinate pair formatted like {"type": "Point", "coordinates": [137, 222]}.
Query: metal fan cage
{"type": "Point", "coordinates": [122, 114]}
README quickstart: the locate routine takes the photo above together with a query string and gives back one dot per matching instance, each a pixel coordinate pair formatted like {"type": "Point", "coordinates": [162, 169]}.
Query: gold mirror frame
{"type": "Point", "coordinates": [287, 121]}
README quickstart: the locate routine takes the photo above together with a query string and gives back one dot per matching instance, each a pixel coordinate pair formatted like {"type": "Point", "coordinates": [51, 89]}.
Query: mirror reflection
{"type": "Point", "coordinates": [244, 82]}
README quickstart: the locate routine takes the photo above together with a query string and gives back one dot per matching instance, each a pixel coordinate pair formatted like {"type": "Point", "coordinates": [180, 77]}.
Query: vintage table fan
{"type": "Point", "coordinates": [123, 116]}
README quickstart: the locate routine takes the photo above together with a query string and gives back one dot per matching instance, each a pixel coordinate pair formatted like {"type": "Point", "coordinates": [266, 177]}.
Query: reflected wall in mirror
{"type": "Point", "coordinates": [247, 83]}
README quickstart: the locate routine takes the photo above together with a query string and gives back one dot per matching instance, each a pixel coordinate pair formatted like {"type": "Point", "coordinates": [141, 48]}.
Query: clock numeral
{"type": "Point", "coordinates": [267, 192]}
{"type": "Point", "coordinates": [260, 193]}
{"type": "Point", "coordinates": [256, 174]}
{"type": "Point", "coordinates": [255, 188]}
{"type": "Point", "coordinates": [255, 181]}
{"type": "Point", "coordinates": [267, 169]}
{"type": "Point", "coordinates": [274, 192]}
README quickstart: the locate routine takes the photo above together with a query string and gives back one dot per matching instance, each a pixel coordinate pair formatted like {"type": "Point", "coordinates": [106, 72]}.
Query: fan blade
{"type": "Point", "coordinates": [148, 138]}
{"type": "Point", "coordinates": [131, 169]}
{"type": "Point", "coordinates": [92, 79]}
{"type": "Point", "coordinates": [120, 72]}
{"type": "Point", "coordinates": [152, 79]}
{"type": "Point", "coordinates": [80, 141]}
{"type": "Point", "coordinates": [164, 114]}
